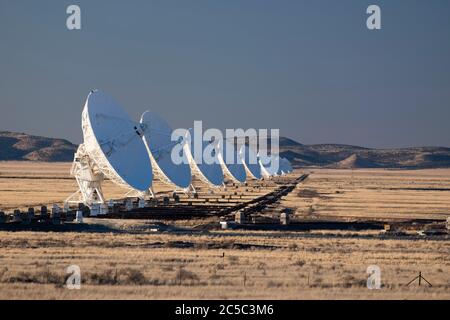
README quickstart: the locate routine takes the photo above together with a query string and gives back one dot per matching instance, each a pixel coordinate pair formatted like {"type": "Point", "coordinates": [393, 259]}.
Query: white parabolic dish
{"type": "Point", "coordinates": [251, 162]}
{"type": "Point", "coordinates": [285, 166]}
{"type": "Point", "coordinates": [288, 165]}
{"type": "Point", "coordinates": [157, 138]}
{"type": "Point", "coordinates": [210, 173]}
{"type": "Point", "coordinates": [114, 142]}
{"type": "Point", "coordinates": [231, 161]}
{"type": "Point", "coordinates": [269, 165]}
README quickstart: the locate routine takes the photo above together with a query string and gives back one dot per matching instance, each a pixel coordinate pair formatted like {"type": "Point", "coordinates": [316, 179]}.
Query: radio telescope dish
{"type": "Point", "coordinates": [231, 161]}
{"type": "Point", "coordinates": [288, 165]}
{"type": "Point", "coordinates": [285, 166]}
{"type": "Point", "coordinates": [269, 165]}
{"type": "Point", "coordinates": [251, 162]}
{"type": "Point", "coordinates": [282, 169]}
{"type": "Point", "coordinates": [264, 164]}
{"type": "Point", "coordinates": [210, 173]}
{"type": "Point", "coordinates": [264, 172]}
{"type": "Point", "coordinates": [112, 148]}
{"type": "Point", "coordinates": [157, 138]}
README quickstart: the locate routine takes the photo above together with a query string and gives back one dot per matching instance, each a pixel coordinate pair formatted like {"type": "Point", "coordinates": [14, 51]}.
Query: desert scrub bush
{"type": "Point", "coordinates": [41, 277]}
{"type": "Point", "coordinates": [127, 276]}
{"type": "Point", "coordinates": [183, 275]}
{"type": "Point", "coordinates": [132, 276]}
{"type": "Point", "coordinates": [261, 266]}
{"type": "Point", "coordinates": [106, 277]}
{"type": "Point", "coordinates": [308, 193]}
{"type": "Point", "coordinates": [220, 266]}
{"type": "Point", "coordinates": [316, 282]}
{"type": "Point", "coordinates": [22, 276]}
{"type": "Point", "coordinates": [233, 259]}
{"type": "Point", "coordinates": [274, 284]}
{"type": "Point", "coordinates": [178, 244]}
{"type": "Point", "coordinates": [299, 263]}
{"type": "Point", "coordinates": [46, 276]}
{"type": "Point", "coordinates": [349, 281]}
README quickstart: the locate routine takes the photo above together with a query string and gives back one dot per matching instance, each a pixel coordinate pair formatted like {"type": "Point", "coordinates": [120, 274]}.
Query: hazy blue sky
{"type": "Point", "coordinates": [310, 68]}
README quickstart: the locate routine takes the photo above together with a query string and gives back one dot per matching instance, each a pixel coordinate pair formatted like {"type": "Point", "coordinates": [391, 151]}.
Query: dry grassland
{"type": "Point", "coordinates": [373, 194]}
{"type": "Point", "coordinates": [155, 266]}
{"type": "Point", "coordinates": [131, 261]}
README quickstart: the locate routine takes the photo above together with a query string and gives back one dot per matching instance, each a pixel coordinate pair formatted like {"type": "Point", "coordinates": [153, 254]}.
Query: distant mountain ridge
{"type": "Point", "coordinates": [347, 156]}
{"type": "Point", "coordinates": [21, 146]}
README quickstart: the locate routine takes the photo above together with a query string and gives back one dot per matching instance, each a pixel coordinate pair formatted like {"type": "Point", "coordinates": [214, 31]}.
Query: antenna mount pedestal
{"type": "Point", "coordinates": [89, 180]}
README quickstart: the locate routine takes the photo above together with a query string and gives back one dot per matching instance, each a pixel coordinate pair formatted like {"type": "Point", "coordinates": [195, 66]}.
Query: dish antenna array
{"type": "Point", "coordinates": [285, 166]}
{"type": "Point", "coordinates": [131, 154]}
{"type": "Point", "coordinates": [231, 161]}
{"type": "Point", "coordinates": [207, 170]}
{"type": "Point", "coordinates": [251, 162]}
{"type": "Point", "coordinates": [269, 166]}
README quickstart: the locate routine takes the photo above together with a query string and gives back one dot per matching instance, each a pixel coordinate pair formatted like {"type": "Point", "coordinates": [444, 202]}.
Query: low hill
{"type": "Point", "coordinates": [354, 161]}
{"type": "Point", "coordinates": [21, 146]}
{"type": "Point", "coordinates": [347, 156]}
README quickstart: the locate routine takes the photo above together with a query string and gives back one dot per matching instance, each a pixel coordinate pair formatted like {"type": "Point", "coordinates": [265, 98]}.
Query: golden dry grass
{"type": "Point", "coordinates": [294, 267]}
{"type": "Point", "coordinates": [132, 261]}
{"type": "Point", "coordinates": [373, 194]}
